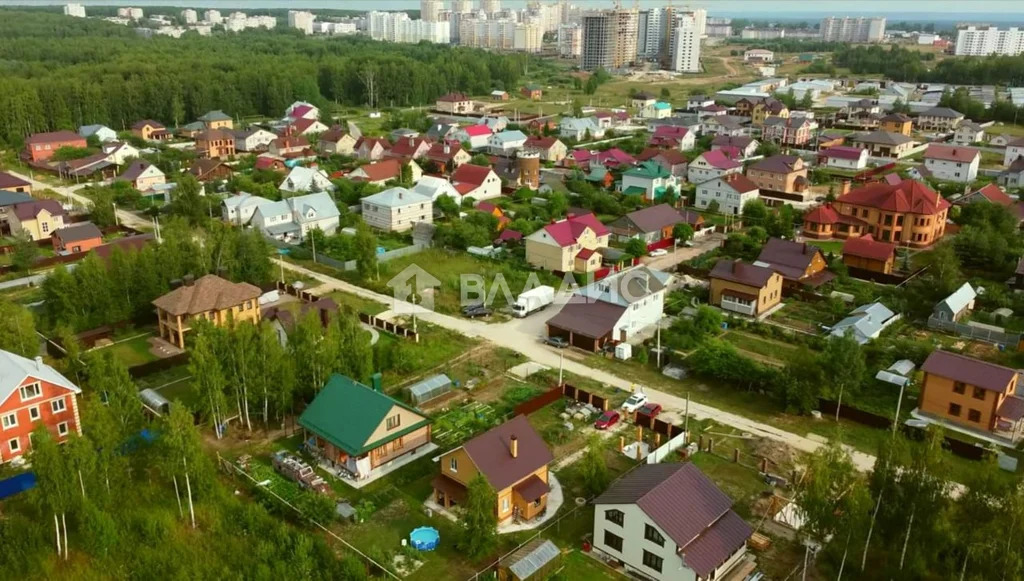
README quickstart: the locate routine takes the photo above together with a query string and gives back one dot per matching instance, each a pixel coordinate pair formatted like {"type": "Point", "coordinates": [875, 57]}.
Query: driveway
{"type": "Point", "coordinates": [523, 336]}
{"type": "Point", "coordinates": [684, 253]}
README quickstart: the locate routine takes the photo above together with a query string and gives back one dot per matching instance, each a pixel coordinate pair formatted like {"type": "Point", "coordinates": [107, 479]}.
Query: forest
{"type": "Point", "coordinates": [60, 73]}
{"type": "Point", "coordinates": [901, 64]}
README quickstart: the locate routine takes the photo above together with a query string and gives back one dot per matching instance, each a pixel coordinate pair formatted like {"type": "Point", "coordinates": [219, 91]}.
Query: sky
{"type": "Point", "coordinates": [934, 10]}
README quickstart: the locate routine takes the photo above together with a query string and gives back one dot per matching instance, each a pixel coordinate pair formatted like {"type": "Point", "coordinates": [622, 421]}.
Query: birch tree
{"type": "Point", "coordinates": [54, 482]}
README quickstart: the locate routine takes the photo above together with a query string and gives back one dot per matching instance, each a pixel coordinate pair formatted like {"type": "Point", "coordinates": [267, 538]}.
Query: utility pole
{"type": "Point", "coordinates": [561, 360]}
{"type": "Point", "coordinates": [659, 344]}
{"type": "Point", "coordinates": [896, 420]}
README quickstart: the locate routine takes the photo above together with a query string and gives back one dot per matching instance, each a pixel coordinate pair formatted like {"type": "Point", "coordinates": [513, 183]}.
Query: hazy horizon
{"type": "Point", "coordinates": [921, 10]}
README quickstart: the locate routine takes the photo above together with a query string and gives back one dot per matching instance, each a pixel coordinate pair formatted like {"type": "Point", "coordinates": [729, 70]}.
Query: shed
{"type": "Point", "coordinates": [430, 388]}
{"type": "Point", "coordinates": [155, 402]}
{"type": "Point", "coordinates": [535, 560]}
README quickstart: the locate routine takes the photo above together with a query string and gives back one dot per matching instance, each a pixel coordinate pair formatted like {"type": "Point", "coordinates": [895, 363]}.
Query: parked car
{"type": "Point", "coordinates": [659, 252]}
{"type": "Point", "coordinates": [477, 311]}
{"type": "Point", "coordinates": [650, 409]}
{"type": "Point", "coordinates": [634, 402]}
{"type": "Point", "coordinates": [466, 310]}
{"type": "Point", "coordinates": [607, 420]}
{"type": "Point", "coordinates": [558, 342]}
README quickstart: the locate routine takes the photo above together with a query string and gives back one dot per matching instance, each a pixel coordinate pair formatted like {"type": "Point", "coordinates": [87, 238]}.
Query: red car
{"type": "Point", "coordinates": [607, 420]}
{"type": "Point", "coordinates": [650, 410]}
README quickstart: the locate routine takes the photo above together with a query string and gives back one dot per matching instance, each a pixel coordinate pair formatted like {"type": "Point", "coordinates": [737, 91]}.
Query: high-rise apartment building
{"type": "Point", "coordinates": [719, 27]}
{"type": "Point", "coordinates": [549, 15]}
{"type": "Point", "coordinates": [685, 45]}
{"type": "Point", "coordinates": [462, 6]}
{"type": "Point", "coordinates": [609, 39]}
{"type": "Point", "coordinates": [430, 10]}
{"type": "Point", "coordinates": [189, 16]}
{"type": "Point", "coordinates": [570, 40]}
{"type": "Point", "coordinates": [213, 16]}
{"type": "Point", "coordinates": [490, 6]}
{"type": "Point", "coordinates": [972, 41]}
{"type": "Point", "coordinates": [650, 29]}
{"type": "Point", "coordinates": [848, 29]}
{"type": "Point", "coordinates": [76, 10]}
{"type": "Point", "coordinates": [501, 34]}
{"type": "Point", "coordinates": [398, 27]}
{"type": "Point", "coordinates": [299, 19]}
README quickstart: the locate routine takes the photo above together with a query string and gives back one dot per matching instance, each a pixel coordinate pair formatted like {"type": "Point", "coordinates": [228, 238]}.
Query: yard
{"type": "Point", "coordinates": [760, 348]}
{"type": "Point", "coordinates": [834, 247]}
{"type": "Point", "coordinates": [131, 346]}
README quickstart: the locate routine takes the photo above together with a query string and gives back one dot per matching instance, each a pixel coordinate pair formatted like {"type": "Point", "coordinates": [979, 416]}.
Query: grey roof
{"type": "Point", "coordinates": [627, 287]}
{"type": "Point", "coordinates": [396, 197]}
{"type": "Point", "coordinates": [78, 232]}
{"type": "Point", "coordinates": [321, 204]}
{"type": "Point", "coordinates": [532, 557]}
{"type": "Point", "coordinates": [89, 130]}
{"type": "Point", "coordinates": [866, 322]}
{"type": "Point", "coordinates": [578, 123]}
{"type": "Point", "coordinates": [893, 378]}
{"type": "Point", "coordinates": [15, 369]}
{"type": "Point", "coordinates": [883, 138]}
{"type": "Point", "coordinates": [430, 388]}
{"type": "Point", "coordinates": [942, 112]}
{"type": "Point", "coordinates": [903, 367]}
{"type": "Point", "coordinates": [244, 199]}
{"type": "Point", "coordinates": [301, 179]}
{"type": "Point", "coordinates": [194, 126]}
{"type": "Point", "coordinates": [153, 399]}
{"type": "Point", "coordinates": [506, 136]}
{"type": "Point", "coordinates": [959, 300]}
{"type": "Point", "coordinates": [215, 116]}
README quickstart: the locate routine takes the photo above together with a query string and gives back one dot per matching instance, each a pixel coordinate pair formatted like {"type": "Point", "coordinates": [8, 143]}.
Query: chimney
{"type": "Point", "coordinates": [189, 280]}
{"type": "Point", "coordinates": [39, 367]}
{"type": "Point", "coordinates": [399, 194]}
{"type": "Point", "coordinates": [844, 187]}
{"type": "Point", "coordinates": [412, 142]}
{"type": "Point", "coordinates": [513, 446]}
{"type": "Point", "coordinates": [447, 148]}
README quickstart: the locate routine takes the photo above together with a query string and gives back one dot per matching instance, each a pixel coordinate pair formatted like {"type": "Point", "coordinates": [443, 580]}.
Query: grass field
{"type": "Point", "coordinates": [828, 246]}
{"type": "Point", "coordinates": [134, 349]}
{"type": "Point", "coordinates": [774, 350]}
{"type": "Point", "coordinates": [1006, 129]}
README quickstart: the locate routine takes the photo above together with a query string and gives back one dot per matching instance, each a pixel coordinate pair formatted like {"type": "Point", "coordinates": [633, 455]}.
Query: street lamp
{"type": "Point", "coordinates": [116, 221]}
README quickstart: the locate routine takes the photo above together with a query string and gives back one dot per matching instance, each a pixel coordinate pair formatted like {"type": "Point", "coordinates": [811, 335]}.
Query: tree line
{"type": "Point", "coordinates": [60, 73]}
{"type": "Point", "coordinates": [901, 64]}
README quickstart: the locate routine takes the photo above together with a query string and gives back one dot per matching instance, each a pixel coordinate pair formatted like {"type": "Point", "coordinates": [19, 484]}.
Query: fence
{"type": "Point", "coordinates": [303, 295]}
{"type": "Point", "coordinates": [658, 426]}
{"type": "Point", "coordinates": [878, 277]}
{"type": "Point", "coordinates": [533, 404]}
{"type": "Point", "coordinates": [584, 396]}
{"type": "Point", "coordinates": [980, 333]}
{"type": "Point", "coordinates": [388, 326]}
{"type": "Point", "coordinates": [662, 452]}
{"type": "Point", "coordinates": [144, 369]}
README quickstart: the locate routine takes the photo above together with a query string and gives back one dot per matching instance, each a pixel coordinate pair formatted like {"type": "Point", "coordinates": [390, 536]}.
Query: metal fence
{"type": "Point", "coordinates": [584, 396]}
{"type": "Point", "coordinates": [533, 404]}
{"type": "Point", "coordinates": [979, 333]}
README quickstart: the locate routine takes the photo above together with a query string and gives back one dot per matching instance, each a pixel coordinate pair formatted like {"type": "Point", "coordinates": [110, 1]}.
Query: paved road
{"type": "Point", "coordinates": [522, 336]}
{"type": "Point", "coordinates": [125, 217]}
{"type": "Point", "coordinates": [684, 253]}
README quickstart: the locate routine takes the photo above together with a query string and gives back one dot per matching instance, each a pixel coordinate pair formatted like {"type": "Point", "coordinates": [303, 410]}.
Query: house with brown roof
{"type": "Point", "coordinates": [779, 173]}
{"type": "Point", "coordinates": [150, 130]}
{"type": "Point", "coordinates": [729, 193]}
{"type": "Point", "coordinates": [290, 145]}
{"type": "Point", "coordinates": [896, 123]}
{"type": "Point", "coordinates": [455, 103]}
{"type": "Point", "coordinates": [514, 460]}
{"type": "Point", "coordinates": [905, 212]}
{"type": "Point", "coordinates": [209, 298]}
{"type": "Point", "coordinates": [477, 182]}
{"type": "Point", "coordinates": [884, 144]}
{"type": "Point", "coordinates": [14, 185]}
{"type": "Point", "coordinates": [741, 287]}
{"type": "Point", "coordinates": [384, 171]}
{"type": "Point", "coordinates": [337, 141]}
{"type": "Point", "coordinates": [747, 145]}
{"type": "Point", "coordinates": [447, 156]}
{"type": "Point", "coordinates": [371, 148]}
{"type": "Point", "coordinates": [971, 393]}
{"type": "Point", "coordinates": [799, 263]}
{"type": "Point", "coordinates": [206, 170]}
{"type": "Point", "coordinates": [142, 175]}
{"type": "Point", "coordinates": [549, 148]}
{"type": "Point", "coordinates": [654, 223]}
{"type": "Point", "coordinates": [765, 108]}
{"type": "Point", "coordinates": [939, 119]}
{"type": "Point", "coordinates": [669, 522]}
{"type": "Point", "coordinates": [952, 163]}
{"type": "Point", "coordinates": [215, 143]}
{"type": "Point", "coordinates": [37, 219]}
{"type": "Point", "coordinates": [569, 245]}
{"type": "Point", "coordinates": [866, 253]}
{"type": "Point", "coordinates": [409, 148]}
{"type": "Point", "coordinates": [42, 146]}
{"type": "Point", "coordinates": [80, 237]}
{"type": "Point", "coordinates": [672, 161]}
{"type": "Point", "coordinates": [307, 127]}
{"type": "Point", "coordinates": [788, 131]}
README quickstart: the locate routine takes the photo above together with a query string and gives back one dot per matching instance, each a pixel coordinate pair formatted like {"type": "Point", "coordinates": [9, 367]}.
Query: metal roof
{"type": "Point", "coordinates": [430, 388]}
{"type": "Point", "coordinates": [532, 557]}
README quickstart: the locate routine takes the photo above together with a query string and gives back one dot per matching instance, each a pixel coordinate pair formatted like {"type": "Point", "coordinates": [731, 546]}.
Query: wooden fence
{"type": "Point", "coordinates": [658, 426]}
{"type": "Point", "coordinates": [302, 294]}
{"type": "Point", "coordinates": [584, 396]}
{"type": "Point", "coordinates": [388, 326]}
{"type": "Point", "coordinates": [535, 403]}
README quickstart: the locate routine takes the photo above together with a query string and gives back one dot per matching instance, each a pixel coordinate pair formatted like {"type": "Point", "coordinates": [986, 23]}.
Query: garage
{"type": "Point", "coordinates": [586, 324]}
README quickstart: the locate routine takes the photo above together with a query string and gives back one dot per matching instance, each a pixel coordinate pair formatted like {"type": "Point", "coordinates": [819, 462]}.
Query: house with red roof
{"type": "Point", "coordinates": [456, 103]}
{"type": "Point", "coordinates": [290, 145]}
{"type": "Point", "coordinates": [672, 160]}
{"type": "Point", "coordinates": [33, 394]}
{"type": "Point", "coordinates": [550, 148]}
{"type": "Point", "coordinates": [371, 148]}
{"type": "Point", "coordinates": [150, 130]}
{"type": "Point", "coordinates": [729, 193]}
{"type": "Point", "coordinates": [866, 253]}
{"type": "Point", "coordinates": [447, 155]}
{"type": "Point", "coordinates": [844, 157]}
{"type": "Point", "coordinates": [952, 163]}
{"type": "Point", "coordinates": [383, 171]}
{"type": "Point", "coordinates": [301, 110]}
{"type": "Point", "coordinates": [42, 146]}
{"type": "Point", "coordinates": [307, 127]}
{"type": "Point", "coordinates": [266, 162]}
{"type": "Point", "coordinates": [337, 141]}
{"type": "Point", "coordinates": [476, 136]}
{"type": "Point", "coordinates": [409, 148]}
{"type": "Point", "coordinates": [476, 181]}
{"type": "Point", "coordinates": [710, 165]}
{"type": "Point", "coordinates": [906, 212]}
{"type": "Point", "coordinates": [569, 245]}
{"type": "Point", "coordinates": [672, 137]}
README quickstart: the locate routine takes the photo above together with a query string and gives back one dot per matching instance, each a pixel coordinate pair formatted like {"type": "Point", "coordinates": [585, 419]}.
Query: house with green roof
{"type": "Point", "coordinates": [355, 428]}
{"type": "Point", "coordinates": [649, 179]}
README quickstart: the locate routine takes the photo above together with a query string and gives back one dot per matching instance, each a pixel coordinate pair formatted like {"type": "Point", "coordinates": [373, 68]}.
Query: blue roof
{"type": "Point", "coordinates": [662, 105]}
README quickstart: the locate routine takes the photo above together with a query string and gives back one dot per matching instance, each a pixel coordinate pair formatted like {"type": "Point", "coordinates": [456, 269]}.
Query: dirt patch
{"type": "Point", "coordinates": [780, 456]}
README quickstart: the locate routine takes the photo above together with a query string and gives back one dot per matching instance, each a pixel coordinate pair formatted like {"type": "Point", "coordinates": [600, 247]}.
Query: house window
{"type": "Point", "coordinates": [652, 534]}
{"type": "Point", "coordinates": [33, 413]}
{"type": "Point", "coordinates": [394, 421]}
{"type": "Point", "coordinates": [954, 409]}
{"type": "Point", "coordinates": [979, 393]}
{"type": "Point", "coordinates": [14, 445]}
{"type": "Point", "coordinates": [959, 387]}
{"type": "Point", "coordinates": [652, 561]}
{"type": "Point", "coordinates": [45, 226]}
{"type": "Point", "coordinates": [62, 429]}
{"type": "Point", "coordinates": [453, 465]}
{"type": "Point", "coordinates": [504, 504]}
{"type": "Point", "coordinates": [615, 515]}
{"type": "Point", "coordinates": [58, 405]}
{"type": "Point", "coordinates": [613, 541]}
{"type": "Point", "coordinates": [31, 391]}
{"type": "Point", "coordinates": [974, 416]}
{"type": "Point", "coordinates": [10, 421]}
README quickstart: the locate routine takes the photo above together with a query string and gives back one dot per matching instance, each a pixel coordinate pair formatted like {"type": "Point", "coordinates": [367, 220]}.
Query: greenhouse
{"type": "Point", "coordinates": [430, 388]}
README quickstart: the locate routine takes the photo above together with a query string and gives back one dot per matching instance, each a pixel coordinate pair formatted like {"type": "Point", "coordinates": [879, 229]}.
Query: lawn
{"type": "Point", "coordinates": [412, 361]}
{"type": "Point", "coordinates": [132, 349]}
{"type": "Point", "coordinates": [828, 246]}
{"type": "Point", "coordinates": [356, 303]}
{"type": "Point", "coordinates": [776, 351]}
{"type": "Point", "coordinates": [1000, 128]}
{"type": "Point", "coordinates": [576, 565]}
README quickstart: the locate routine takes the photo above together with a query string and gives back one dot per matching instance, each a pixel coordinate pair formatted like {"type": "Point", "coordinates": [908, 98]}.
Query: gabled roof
{"type": "Point", "coordinates": [78, 232]}
{"type": "Point", "coordinates": [490, 452]}
{"type": "Point", "coordinates": [396, 197]}
{"type": "Point", "coordinates": [593, 319]}
{"type": "Point", "coordinates": [844, 152]}
{"type": "Point", "coordinates": [201, 167]}
{"type": "Point", "coordinates": [7, 181]}
{"type": "Point", "coordinates": [149, 122]}
{"type": "Point", "coordinates": [346, 413]}
{"type": "Point", "coordinates": [135, 169]}
{"type": "Point", "coordinates": [408, 146]}
{"type": "Point", "coordinates": [302, 125]}
{"type": "Point", "coordinates": [960, 299]}
{"type": "Point", "coordinates": [907, 196]}
{"type": "Point", "coordinates": [628, 286]}
{"type": "Point", "coordinates": [948, 153]}
{"type": "Point", "coordinates": [739, 183]}
{"type": "Point", "coordinates": [790, 259]}
{"type": "Point", "coordinates": [334, 134]}
{"type": "Point", "coordinates": [13, 198]}
{"type": "Point", "coordinates": [883, 138]}
{"type": "Point", "coordinates": [454, 98]}
{"type": "Point", "coordinates": [215, 135]}
{"type": "Point", "coordinates": [742, 273]}
{"type": "Point", "coordinates": [896, 118]}
{"type": "Point", "coordinates": [477, 130]}
{"type": "Point", "coordinates": [778, 164]}
{"type": "Point", "coordinates": [471, 174]}
{"type": "Point", "coordinates": [654, 218]}
{"type": "Point", "coordinates": [866, 322]}
{"type": "Point", "coordinates": [867, 247]}
{"type": "Point", "coordinates": [371, 142]}
{"type": "Point", "coordinates": [741, 142]}
{"type": "Point", "coordinates": [541, 142]}
{"type": "Point", "coordinates": [687, 505]}
{"type": "Point", "coordinates": [206, 294]}
{"type": "Point", "coordinates": [383, 170]}
{"type": "Point", "coordinates": [53, 137]}
{"type": "Point", "coordinates": [508, 136]}
{"type": "Point", "coordinates": [217, 115]}
{"type": "Point", "coordinates": [969, 370]}
{"type": "Point", "coordinates": [90, 130]}
{"type": "Point", "coordinates": [648, 170]}
{"type": "Point", "coordinates": [994, 194]}
{"type": "Point", "coordinates": [719, 160]}
{"type": "Point", "coordinates": [29, 210]}
{"type": "Point", "coordinates": [945, 112]}
{"type": "Point", "coordinates": [15, 369]}
{"type": "Point", "coordinates": [568, 231]}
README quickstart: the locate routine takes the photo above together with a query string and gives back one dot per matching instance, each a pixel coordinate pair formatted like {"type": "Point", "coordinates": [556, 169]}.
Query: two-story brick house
{"type": "Point", "coordinates": [42, 146]}
{"type": "Point", "coordinates": [215, 143]}
{"type": "Point", "coordinates": [31, 394]}
{"type": "Point", "coordinates": [779, 173]}
{"type": "Point", "coordinates": [210, 298]}
{"type": "Point", "coordinates": [970, 392]}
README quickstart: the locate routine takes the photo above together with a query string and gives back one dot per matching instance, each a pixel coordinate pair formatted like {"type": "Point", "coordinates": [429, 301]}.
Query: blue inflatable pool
{"type": "Point", "coordinates": [424, 538]}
